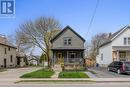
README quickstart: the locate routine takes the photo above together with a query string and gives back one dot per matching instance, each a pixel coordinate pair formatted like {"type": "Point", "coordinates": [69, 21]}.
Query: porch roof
{"type": "Point", "coordinates": [68, 48]}
{"type": "Point", "coordinates": [121, 48]}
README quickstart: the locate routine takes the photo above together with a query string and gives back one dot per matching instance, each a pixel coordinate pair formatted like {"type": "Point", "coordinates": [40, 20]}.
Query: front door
{"type": "Point", "coordinates": [4, 63]}
{"type": "Point", "coordinates": [59, 58]}
{"type": "Point", "coordinates": [18, 61]}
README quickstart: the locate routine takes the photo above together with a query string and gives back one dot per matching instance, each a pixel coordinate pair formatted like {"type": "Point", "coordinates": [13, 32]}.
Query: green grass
{"type": "Point", "coordinates": [42, 73]}
{"type": "Point", "coordinates": [73, 75]}
{"type": "Point", "coordinates": [56, 81]}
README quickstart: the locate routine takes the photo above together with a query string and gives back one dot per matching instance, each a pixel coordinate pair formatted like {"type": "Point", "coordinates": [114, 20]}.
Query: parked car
{"type": "Point", "coordinates": [119, 67]}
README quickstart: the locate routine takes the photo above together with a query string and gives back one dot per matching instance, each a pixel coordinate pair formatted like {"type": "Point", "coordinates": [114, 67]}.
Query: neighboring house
{"type": "Point", "coordinates": [68, 48]}
{"type": "Point", "coordinates": [21, 59]}
{"type": "Point", "coordinates": [7, 53]}
{"type": "Point", "coordinates": [34, 60]}
{"type": "Point", "coordinates": [117, 48]}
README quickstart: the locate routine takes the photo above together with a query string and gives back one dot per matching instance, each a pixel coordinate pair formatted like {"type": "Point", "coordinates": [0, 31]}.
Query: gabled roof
{"type": "Point", "coordinates": [5, 42]}
{"type": "Point", "coordinates": [61, 32]}
{"type": "Point", "coordinates": [8, 45]}
{"type": "Point", "coordinates": [114, 35]}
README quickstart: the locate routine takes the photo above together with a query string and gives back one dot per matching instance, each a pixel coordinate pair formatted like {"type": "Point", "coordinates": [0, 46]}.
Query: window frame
{"type": "Point", "coordinates": [9, 48]}
{"type": "Point", "coordinates": [5, 50]}
{"type": "Point", "coordinates": [126, 40]}
{"type": "Point", "coordinates": [11, 58]}
{"type": "Point", "coordinates": [67, 41]}
{"type": "Point", "coordinates": [101, 56]}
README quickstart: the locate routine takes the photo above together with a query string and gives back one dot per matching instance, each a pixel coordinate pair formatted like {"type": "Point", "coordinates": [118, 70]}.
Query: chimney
{"type": "Point", "coordinates": [2, 39]}
{"type": "Point", "coordinates": [109, 35]}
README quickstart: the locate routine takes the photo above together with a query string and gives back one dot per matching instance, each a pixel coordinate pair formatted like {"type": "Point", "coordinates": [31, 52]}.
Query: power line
{"type": "Point", "coordinates": [91, 21]}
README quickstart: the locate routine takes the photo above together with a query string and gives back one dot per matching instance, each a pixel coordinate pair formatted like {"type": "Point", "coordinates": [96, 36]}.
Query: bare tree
{"type": "Point", "coordinates": [39, 33]}
{"type": "Point", "coordinates": [96, 41]}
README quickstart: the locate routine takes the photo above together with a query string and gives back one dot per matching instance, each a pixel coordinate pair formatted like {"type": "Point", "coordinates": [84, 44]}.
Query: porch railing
{"type": "Point", "coordinates": [74, 61]}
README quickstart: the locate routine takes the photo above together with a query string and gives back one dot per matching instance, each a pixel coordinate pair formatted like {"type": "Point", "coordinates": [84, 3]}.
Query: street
{"type": "Point", "coordinates": [104, 73]}
{"type": "Point", "coordinates": [69, 85]}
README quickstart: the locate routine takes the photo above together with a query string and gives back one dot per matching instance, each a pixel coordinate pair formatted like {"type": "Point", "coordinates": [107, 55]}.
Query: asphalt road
{"type": "Point", "coordinates": [104, 73]}
{"type": "Point", "coordinates": [69, 85]}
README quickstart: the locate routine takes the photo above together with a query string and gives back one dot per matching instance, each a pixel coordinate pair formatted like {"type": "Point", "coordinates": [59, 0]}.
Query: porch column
{"type": "Point", "coordinates": [67, 56]}
{"type": "Point", "coordinates": [54, 57]}
{"type": "Point", "coordinates": [117, 56]}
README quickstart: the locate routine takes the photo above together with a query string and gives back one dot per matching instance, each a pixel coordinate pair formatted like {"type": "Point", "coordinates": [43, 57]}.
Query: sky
{"type": "Point", "coordinates": [111, 15]}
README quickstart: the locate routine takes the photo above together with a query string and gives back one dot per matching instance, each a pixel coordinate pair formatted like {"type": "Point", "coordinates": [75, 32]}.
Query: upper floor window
{"type": "Point", "coordinates": [67, 40]}
{"type": "Point", "coordinates": [9, 48]}
{"type": "Point", "coordinates": [5, 50]}
{"type": "Point", "coordinates": [102, 56]}
{"type": "Point", "coordinates": [11, 58]}
{"type": "Point", "coordinates": [127, 41]}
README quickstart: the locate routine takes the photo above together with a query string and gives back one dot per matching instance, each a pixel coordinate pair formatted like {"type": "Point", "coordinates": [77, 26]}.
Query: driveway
{"type": "Point", "coordinates": [16, 72]}
{"type": "Point", "coordinates": [104, 73]}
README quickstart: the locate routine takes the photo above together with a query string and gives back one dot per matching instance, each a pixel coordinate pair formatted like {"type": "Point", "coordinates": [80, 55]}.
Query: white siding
{"type": "Point", "coordinates": [119, 41]}
{"type": "Point", "coordinates": [106, 51]}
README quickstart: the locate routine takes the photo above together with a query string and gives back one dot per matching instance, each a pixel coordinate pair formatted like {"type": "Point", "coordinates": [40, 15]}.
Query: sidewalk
{"type": "Point", "coordinates": [96, 80]}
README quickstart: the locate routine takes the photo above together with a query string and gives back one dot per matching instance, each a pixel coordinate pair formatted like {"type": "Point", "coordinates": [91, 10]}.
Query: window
{"type": "Point", "coordinates": [5, 51]}
{"type": "Point", "coordinates": [9, 48]}
{"type": "Point", "coordinates": [102, 57]}
{"type": "Point", "coordinates": [11, 58]}
{"type": "Point", "coordinates": [72, 54]}
{"type": "Point", "coordinates": [67, 40]}
{"type": "Point", "coordinates": [122, 55]}
{"type": "Point", "coordinates": [127, 41]}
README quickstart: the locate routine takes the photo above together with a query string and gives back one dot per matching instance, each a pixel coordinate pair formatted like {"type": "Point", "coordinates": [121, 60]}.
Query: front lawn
{"type": "Point", "coordinates": [73, 75]}
{"type": "Point", "coordinates": [42, 73]}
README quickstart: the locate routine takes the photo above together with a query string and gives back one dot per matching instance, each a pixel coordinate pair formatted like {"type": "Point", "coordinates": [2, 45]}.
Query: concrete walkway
{"type": "Point", "coordinates": [16, 72]}
{"type": "Point", "coordinates": [55, 76]}
{"type": "Point", "coordinates": [12, 75]}
{"type": "Point", "coordinates": [91, 75]}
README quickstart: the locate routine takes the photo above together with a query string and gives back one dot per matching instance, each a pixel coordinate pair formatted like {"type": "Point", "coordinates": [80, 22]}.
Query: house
{"type": "Point", "coordinates": [7, 53]}
{"type": "Point", "coordinates": [21, 59]}
{"type": "Point", "coordinates": [68, 48]}
{"type": "Point", "coordinates": [117, 48]}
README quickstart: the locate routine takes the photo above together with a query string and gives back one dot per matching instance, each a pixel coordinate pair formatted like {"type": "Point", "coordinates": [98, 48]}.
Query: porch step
{"type": "Point", "coordinates": [57, 68]}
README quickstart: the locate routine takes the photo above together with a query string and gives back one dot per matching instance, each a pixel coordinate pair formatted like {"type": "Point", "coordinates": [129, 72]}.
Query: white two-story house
{"type": "Point", "coordinates": [117, 48]}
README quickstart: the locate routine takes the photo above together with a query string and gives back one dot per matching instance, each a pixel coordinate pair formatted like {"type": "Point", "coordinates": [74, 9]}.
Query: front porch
{"type": "Point", "coordinates": [68, 57]}
{"type": "Point", "coordinates": [121, 53]}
